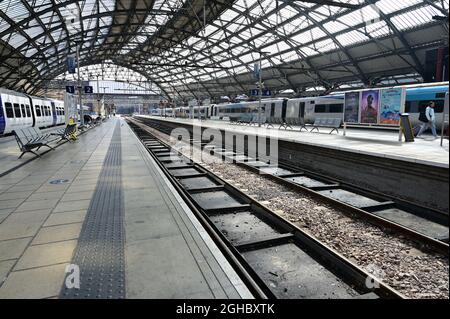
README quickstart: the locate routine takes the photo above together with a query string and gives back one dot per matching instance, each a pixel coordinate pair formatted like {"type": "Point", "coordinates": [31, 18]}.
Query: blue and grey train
{"type": "Point", "coordinates": [310, 108]}
{"type": "Point", "coordinates": [18, 110]}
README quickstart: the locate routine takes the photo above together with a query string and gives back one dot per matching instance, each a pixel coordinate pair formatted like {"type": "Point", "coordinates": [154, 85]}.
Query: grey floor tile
{"type": "Point", "coordinates": [65, 218]}
{"type": "Point", "coordinates": [10, 203]}
{"type": "Point", "coordinates": [57, 233]}
{"type": "Point", "coordinates": [173, 274]}
{"type": "Point", "coordinates": [72, 206]}
{"type": "Point", "coordinates": [43, 282]}
{"type": "Point", "coordinates": [12, 249]}
{"type": "Point", "coordinates": [5, 267]}
{"type": "Point", "coordinates": [45, 196]}
{"type": "Point", "coordinates": [18, 225]}
{"type": "Point", "coordinates": [15, 195]}
{"type": "Point", "coordinates": [46, 255]}
{"type": "Point", "coordinates": [37, 205]}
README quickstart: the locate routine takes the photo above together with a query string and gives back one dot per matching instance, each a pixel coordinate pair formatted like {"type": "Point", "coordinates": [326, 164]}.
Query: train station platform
{"type": "Point", "coordinates": [102, 206]}
{"type": "Point", "coordinates": [372, 142]}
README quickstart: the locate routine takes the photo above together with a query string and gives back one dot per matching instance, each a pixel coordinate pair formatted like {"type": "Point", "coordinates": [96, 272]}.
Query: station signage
{"type": "Point", "coordinates": [255, 92]}
{"type": "Point", "coordinates": [70, 89]}
{"type": "Point", "coordinates": [88, 89]}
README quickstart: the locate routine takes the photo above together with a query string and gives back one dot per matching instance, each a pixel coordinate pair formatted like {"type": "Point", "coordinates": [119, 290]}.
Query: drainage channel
{"type": "Point", "coordinates": [282, 259]}
{"type": "Point", "coordinates": [428, 228]}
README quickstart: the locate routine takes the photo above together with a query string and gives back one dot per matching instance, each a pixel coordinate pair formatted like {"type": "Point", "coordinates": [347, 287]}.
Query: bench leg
{"type": "Point", "coordinates": [314, 128]}
{"type": "Point", "coordinates": [47, 146]}
{"type": "Point", "coordinates": [35, 153]}
{"type": "Point", "coordinates": [303, 127]}
{"type": "Point", "coordinates": [334, 129]}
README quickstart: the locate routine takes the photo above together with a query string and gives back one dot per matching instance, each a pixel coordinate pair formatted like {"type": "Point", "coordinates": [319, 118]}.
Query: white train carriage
{"type": "Point", "coordinates": [311, 108]}
{"type": "Point", "coordinates": [43, 112]}
{"type": "Point", "coordinates": [15, 111]}
{"type": "Point", "coordinates": [58, 109]}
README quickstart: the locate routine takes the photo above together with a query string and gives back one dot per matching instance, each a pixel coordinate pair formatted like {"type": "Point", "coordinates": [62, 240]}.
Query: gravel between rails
{"type": "Point", "coordinates": [392, 258]}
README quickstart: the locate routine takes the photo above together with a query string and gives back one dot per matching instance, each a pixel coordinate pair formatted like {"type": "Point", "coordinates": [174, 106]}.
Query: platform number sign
{"type": "Point", "coordinates": [70, 89]}
{"type": "Point", "coordinates": [88, 89]}
{"type": "Point", "coordinates": [255, 92]}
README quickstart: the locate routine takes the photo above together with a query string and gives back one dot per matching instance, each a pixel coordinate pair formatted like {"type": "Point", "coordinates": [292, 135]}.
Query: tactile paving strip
{"type": "Point", "coordinates": [100, 250]}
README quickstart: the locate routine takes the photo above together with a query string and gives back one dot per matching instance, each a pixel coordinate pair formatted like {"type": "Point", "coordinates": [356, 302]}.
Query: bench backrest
{"type": "Point", "coordinates": [21, 138]}
{"type": "Point", "coordinates": [70, 128]}
{"type": "Point", "coordinates": [30, 133]}
{"type": "Point", "coordinates": [328, 122]}
{"type": "Point", "coordinates": [318, 122]}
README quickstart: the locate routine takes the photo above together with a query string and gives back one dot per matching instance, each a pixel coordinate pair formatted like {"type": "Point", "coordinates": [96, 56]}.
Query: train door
{"type": "Point", "coordinates": [53, 113]}
{"type": "Point", "coordinates": [302, 112]}
{"type": "Point", "coordinates": [284, 109]}
{"type": "Point", "coordinates": [2, 117]}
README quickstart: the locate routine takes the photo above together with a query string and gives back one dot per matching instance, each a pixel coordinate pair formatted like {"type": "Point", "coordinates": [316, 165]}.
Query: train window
{"type": "Point", "coordinates": [320, 108]}
{"type": "Point", "coordinates": [38, 110]}
{"type": "Point", "coordinates": [439, 108]}
{"type": "Point", "coordinates": [17, 110]}
{"type": "Point", "coordinates": [9, 110]}
{"type": "Point", "coordinates": [336, 108]}
{"type": "Point", "coordinates": [28, 110]}
{"type": "Point", "coordinates": [22, 107]}
{"type": "Point", "coordinates": [272, 110]}
{"type": "Point", "coordinates": [440, 95]}
{"type": "Point", "coordinates": [408, 107]}
{"type": "Point", "coordinates": [48, 110]}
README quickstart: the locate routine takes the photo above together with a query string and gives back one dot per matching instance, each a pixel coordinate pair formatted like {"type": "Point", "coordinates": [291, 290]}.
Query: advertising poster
{"type": "Point", "coordinates": [369, 106]}
{"type": "Point", "coordinates": [391, 103]}
{"type": "Point", "coordinates": [351, 109]}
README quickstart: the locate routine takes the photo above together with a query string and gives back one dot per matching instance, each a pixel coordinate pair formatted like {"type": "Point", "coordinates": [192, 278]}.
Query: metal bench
{"type": "Point", "coordinates": [270, 121]}
{"type": "Point", "coordinates": [66, 133]}
{"type": "Point", "coordinates": [333, 123]}
{"type": "Point", "coordinates": [31, 138]}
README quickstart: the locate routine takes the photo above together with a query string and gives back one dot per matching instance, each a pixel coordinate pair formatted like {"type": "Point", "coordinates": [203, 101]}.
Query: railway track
{"type": "Point", "coordinates": [274, 256]}
{"type": "Point", "coordinates": [426, 227]}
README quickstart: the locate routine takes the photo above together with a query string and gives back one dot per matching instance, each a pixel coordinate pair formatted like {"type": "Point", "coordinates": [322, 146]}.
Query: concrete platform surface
{"type": "Point", "coordinates": [44, 203]}
{"type": "Point", "coordinates": [426, 150]}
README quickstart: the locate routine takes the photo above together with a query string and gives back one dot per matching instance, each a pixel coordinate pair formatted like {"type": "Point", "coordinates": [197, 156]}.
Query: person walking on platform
{"type": "Point", "coordinates": [428, 120]}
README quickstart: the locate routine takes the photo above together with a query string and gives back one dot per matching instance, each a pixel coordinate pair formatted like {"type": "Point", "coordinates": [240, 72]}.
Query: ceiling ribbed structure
{"type": "Point", "coordinates": [198, 48]}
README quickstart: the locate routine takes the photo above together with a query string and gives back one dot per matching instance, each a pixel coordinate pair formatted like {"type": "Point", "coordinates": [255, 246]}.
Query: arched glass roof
{"type": "Point", "coordinates": [198, 48]}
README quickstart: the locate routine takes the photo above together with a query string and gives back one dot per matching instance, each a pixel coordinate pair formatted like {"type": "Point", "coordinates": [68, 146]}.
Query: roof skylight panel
{"type": "Point", "coordinates": [334, 26]}
{"type": "Point", "coordinates": [14, 39]}
{"type": "Point", "coordinates": [30, 52]}
{"type": "Point", "coordinates": [229, 15]}
{"type": "Point", "coordinates": [34, 31]}
{"type": "Point", "coordinates": [325, 45]}
{"type": "Point", "coordinates": [378, 29]}
{"type": "Point", "coordinates": [308, 51]}
{"type": "Point", "coordinates": [389, 6]}
{"type": "Point", "coordinates": [351, 37]}
{"type": "Point", "coordinates": [414, 18]}
{"type": "Point", "coordinates": [15, 10]}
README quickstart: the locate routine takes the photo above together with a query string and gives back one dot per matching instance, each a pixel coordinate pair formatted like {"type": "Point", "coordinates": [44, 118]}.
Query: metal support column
{"type": "Point", "coordinates": [80, 99]}
{"type": "Point", "coordinates": [260, 89]}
